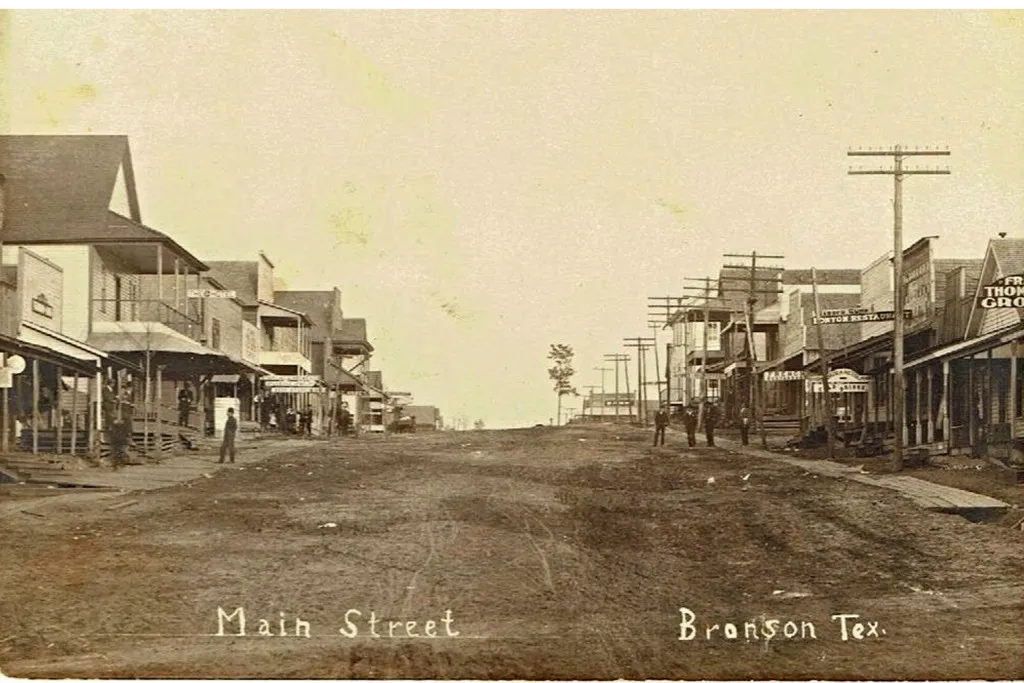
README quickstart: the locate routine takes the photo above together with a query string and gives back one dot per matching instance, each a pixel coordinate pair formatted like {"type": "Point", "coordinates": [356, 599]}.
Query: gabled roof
{"type": "Point", "coordinates": [1009, 255]}
{"type": "Point", "coordinates": [60, 186]}
{"type": "Point", "coordinates": [1002, 257]}
{"type": "Point", "coordinates": [58, 189]}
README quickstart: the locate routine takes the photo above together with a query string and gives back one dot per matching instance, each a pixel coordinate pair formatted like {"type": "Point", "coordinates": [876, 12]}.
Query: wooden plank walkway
{"type": "Point", "coordinates": [169, 471]}
{"type": "Point", "coordinates": [926, 494]}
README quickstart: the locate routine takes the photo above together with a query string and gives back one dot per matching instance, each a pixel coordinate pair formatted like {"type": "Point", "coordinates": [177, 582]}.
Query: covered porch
{"type": "Point", "coordinates": [173, 370]}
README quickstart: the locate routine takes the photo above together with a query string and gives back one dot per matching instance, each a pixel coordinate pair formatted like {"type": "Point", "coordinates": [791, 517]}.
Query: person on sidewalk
{"type": "Point", "coordinates": [227, 446]}
{"type": "Point", "coordinates": [185, 400]}
{"type": "Point", "coordinates": [307, 420]}
{"type": "Point", "coordinates": [660, 424]}
{"type": "Point", "coordinates": [711, 416]}
{"type": "Point", "coordinates": [690, 424]}
{"type": "Point", "coordinates": [744, 425]}
{"type": "Point", "coordinates": [119, 435]}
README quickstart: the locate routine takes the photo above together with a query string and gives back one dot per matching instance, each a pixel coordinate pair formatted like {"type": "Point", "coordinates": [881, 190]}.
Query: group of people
{"type": "Point", "coordinates": [690, 417]}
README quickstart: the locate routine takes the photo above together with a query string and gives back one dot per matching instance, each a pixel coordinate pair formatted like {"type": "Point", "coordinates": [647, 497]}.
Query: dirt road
{"type": "Point", "coordinates": [551, 553]}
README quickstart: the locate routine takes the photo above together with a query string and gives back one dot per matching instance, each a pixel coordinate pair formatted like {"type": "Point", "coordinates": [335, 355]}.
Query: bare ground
{"type": "Point", "coordinates": [560, 553]}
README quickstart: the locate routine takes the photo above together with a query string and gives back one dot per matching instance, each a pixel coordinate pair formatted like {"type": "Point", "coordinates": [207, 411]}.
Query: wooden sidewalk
{"type": "Point", "coordinates": [926, 494]}
{"type": "Point", "coordinates": [170, 470]}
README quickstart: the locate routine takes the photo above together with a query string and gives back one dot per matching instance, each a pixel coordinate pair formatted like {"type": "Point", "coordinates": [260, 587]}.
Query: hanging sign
{"type": "Point", "coordinates": [209, 293]}
{"type": "Point", "coordinates": [1006, 292]}
{"type": "Point", "coordinates": [291, 380]}
{"type": "Point", "coordinates": [296, 390]}
{"type": "Point", "coordinates": [783, 375]}
{"type": "Point", "coordinates": [841, 381]}
{"type": "Point", "coordinates": [857, 315]}
{"type": "Point", "coordinates": [6, 378]}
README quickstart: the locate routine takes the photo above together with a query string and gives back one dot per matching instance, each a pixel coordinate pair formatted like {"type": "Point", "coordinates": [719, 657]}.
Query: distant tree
{"type": "Point", "coordinates": [561, 373]}
{"type": "Point", "coordinates": [479, 424]}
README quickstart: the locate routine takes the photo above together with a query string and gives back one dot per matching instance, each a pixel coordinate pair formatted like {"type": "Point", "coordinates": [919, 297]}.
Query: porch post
{"type": "Point", "coordinates": [5, 439]}
{"type": "Point", "coordinates": [987, 405]}
{"type": "Point", "coordinates": [946, 407]}
{"type": "Point", "coordinates": [890, 408]}
{"type": "Point", "coordinates": [1013, 390]}
{"type": "Point", "coordinates": [159, 406]}
{"type": "Point", "coordinates": [35, 406]}
{"type": "Point", "coordinates": [74, 415]}
{"type": "Point", "coordinates": [59, 401]}
{"type": "Point", "coordinates": [160, 271]}
{"type": "Point", "coordinates": [92, 422]}
{"type": "Point", "coordinates": [972, 400]}
{"type": "Point", "coordinates": [931, 404]}
{"type": "Point", "coordinates": [917, 407]}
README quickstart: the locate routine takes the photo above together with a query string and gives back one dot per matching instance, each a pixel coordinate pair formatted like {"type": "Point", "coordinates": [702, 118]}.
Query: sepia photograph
{"type": "Point", "coordinates": [512, 344]}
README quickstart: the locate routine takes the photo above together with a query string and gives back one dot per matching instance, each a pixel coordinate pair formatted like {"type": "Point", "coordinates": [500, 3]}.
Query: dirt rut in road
{"type": "Point", "coordinates": [556, 558]}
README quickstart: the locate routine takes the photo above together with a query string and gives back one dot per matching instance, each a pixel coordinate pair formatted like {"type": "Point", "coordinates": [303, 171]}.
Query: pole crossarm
{"type": "Point", "coordinates": [944, 171]}
{"type": "Point", "coordinates": [926, 152]}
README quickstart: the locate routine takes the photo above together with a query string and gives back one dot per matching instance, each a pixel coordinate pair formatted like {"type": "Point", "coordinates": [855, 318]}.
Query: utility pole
{"type": "Point", "coordinates": [657, 363]}
{"type": "Point", "coordinates": [640, 344]}
{"type": "Point", "coordinates": [618, 358]}
{"type": "Point", "coordinates": [603, 394]}
{"type": "Point", "coordinates": [591, 399]}
{"type": "Point", "coordinates": [755, 397]}
{"type": "Point", "coordinates": [823, 358]}
{"type": "Point", "coordinates": [672, 314]}
{"type": "Point", "coordinates": [898, 154]}
{"type": "Point", "coordinates": [706, 306]}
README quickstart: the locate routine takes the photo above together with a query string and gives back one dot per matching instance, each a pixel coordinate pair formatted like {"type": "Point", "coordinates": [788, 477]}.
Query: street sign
{"type": "Point", "coordinates": [16, 364]}
{"type": "Point", "coordinates": [783, 375]}
{"type": "Point", "coordinates": [209, 293]}
{"type": "Point", "coordinates": [857, 315]}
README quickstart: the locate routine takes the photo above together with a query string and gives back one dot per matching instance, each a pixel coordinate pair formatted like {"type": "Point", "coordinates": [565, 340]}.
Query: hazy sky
{"type": "Point", "coordinates": [483, 184]}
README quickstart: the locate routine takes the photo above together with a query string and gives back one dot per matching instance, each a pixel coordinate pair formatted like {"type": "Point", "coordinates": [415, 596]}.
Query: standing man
{"type": "Point", "coordinates": [227, 446]}
{"type": "Point", "coordinates": [118, 435]}
{"type": "Point", "coordinates": [185, 400]}
{"type": "Point", "coordinates": [711, 415]}
{"type": "Point", "coordinates": [744, 424]}
{"type": "Point", "coordinates": [346, 419]}
{"type": "Point", "coordinates": [307, 418]}
{"type": "Point", "coordinates": [690, 423]}
{"type": "Point", "coordinates": [660, 423]}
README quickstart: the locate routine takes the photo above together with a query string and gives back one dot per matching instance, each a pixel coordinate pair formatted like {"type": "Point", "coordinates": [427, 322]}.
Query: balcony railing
{"type": "Point", "coordinates": [186, 322]}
